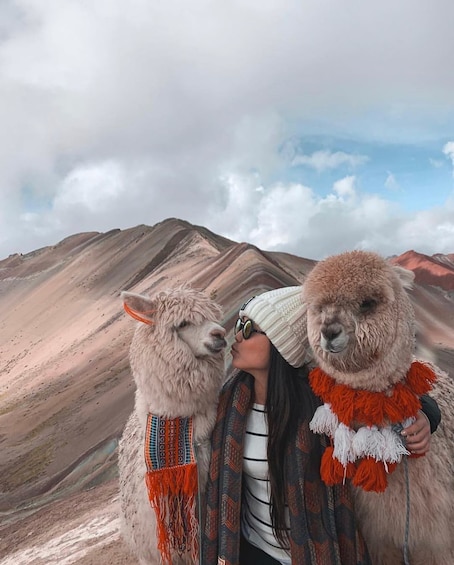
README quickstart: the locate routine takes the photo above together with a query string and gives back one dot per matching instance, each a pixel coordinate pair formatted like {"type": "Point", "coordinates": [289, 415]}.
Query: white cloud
{"type": "Point", "coordinates": [115, 114]}
{"type": "Point", "coordinates": [345, 188]}
{"type": "Point", "coordinates": [428, 226]}
{"type": "Point", "coordinates": [282, 214]}
{"type": "Point", "coordinates": [448, 150]}
{"type": "Point", "coordinates": [293, 218]}
{"type": "Point", "coordinates": [391, 182]}
{"type": "Point", "coordinates": [91, 186]}
{"type": "Point", "coordinates": [235, 215]}
{"type": "Point", "coordinates": [324, 160]}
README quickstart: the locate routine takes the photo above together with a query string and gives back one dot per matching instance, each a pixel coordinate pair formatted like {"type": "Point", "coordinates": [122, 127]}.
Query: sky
{"type": "Point", "coordinates": [305, 126]}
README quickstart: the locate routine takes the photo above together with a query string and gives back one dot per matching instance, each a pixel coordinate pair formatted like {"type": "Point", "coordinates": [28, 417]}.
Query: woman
{"type": "Point", "coordinates": [266, 503]}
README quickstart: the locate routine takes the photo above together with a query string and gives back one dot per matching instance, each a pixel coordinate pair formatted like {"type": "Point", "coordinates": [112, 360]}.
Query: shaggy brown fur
{"type": "Point", "coordinates": [178, 366]}
{"type": "Point", "coordinates": [361, 330]}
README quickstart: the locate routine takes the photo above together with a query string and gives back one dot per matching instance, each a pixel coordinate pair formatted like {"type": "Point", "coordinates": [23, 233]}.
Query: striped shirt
{"type": "Point", "coordinates": [256, 519]}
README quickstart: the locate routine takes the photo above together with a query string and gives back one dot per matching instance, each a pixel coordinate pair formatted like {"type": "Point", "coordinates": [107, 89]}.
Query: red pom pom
{"type": "Point", "coordinates": [391, 467]}
{"type": "Point", "coordinates": [321, 383]}
{"type": "Point", "coordinates": [420, 378]}
{"type": "Point", "coordinates": [371, 475]}
{"type": "Point", "coordinates": [332, 471]}
{"type": "Point", "coordinates": [342, 400]}
{"type": "Point", "coordinates": [369, 407]}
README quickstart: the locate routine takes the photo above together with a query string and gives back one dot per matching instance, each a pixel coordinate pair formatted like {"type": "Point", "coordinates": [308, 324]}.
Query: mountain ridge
{"type": "Point", "coordinates": [65, 384]}
{"type": "Point", "coordinates": [435, 270]}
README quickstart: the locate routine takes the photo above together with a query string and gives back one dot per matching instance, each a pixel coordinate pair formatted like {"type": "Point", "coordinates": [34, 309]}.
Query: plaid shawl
{"type": "Point", "coordinates": [323, 529]}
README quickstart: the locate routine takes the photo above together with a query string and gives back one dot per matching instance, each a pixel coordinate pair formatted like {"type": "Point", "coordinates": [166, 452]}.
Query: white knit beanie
{"type": "Point", "coordinates": [281, 314]}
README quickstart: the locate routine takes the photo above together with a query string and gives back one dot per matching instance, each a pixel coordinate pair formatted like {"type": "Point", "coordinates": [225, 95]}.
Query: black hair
{"type": "Point", "coordinates": [289, 401]}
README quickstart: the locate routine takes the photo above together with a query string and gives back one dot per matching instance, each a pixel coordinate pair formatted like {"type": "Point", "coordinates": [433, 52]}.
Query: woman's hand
{"type": "Point", "coordinates": [418, 434]}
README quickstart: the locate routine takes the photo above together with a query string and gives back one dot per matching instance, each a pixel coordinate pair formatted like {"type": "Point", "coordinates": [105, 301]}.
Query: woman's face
{"type": "Point", "coordinates": [251, 355]}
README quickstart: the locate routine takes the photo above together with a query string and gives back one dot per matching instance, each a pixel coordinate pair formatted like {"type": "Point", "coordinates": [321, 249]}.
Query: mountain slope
{"type": "Point", "coordinates": [65, 385]}
{"type": "Point", "coordinates": [437, 270]}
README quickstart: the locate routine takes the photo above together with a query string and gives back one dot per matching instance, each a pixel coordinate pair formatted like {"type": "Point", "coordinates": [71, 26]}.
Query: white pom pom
{"type": "Point", "coordinates": [394, 446]}
{"type": "Point", "coordinates": [324, 421]}
{"type": "Point", "coordinates": [408, 422]}
{"type": "Point", "coordinates": [343, 444]}
{"type": "Point", "coordinates": [369, 442]}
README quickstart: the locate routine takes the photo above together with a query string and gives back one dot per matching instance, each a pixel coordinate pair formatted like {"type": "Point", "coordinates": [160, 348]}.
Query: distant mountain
{"type": "Point", "coordinates": [437, 270]}
{"type": "Point", "coordinates": [65, 384]}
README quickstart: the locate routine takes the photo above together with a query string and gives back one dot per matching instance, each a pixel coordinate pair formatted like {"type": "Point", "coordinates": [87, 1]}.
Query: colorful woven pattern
{"type": "Point", "coordinates": [168, 443]}
{"type": "Point", "coordinates": [171, 480]}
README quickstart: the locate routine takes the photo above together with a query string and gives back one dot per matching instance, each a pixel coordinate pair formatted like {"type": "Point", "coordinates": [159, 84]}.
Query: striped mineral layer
{"type": "Point", "coordinates": [65, 385]}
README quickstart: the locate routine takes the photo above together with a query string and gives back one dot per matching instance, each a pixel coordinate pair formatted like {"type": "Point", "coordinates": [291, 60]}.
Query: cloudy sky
{"type": "Point", "coordinates": [309, 126]}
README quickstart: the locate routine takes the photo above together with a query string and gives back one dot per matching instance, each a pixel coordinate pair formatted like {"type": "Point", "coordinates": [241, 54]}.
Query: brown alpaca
{"type": "Point", "coordinates": [361, 329]}
{"type": "Point", "coordinates": [177, 361]}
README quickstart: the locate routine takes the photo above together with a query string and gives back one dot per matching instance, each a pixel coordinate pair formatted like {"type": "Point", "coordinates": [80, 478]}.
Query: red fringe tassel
{"type": "Point", "coordinates": [172, 493]}
{"type": "Point", "coordinates": [371, 475]}
{"type": "Point", "coordinates": [332, 471]}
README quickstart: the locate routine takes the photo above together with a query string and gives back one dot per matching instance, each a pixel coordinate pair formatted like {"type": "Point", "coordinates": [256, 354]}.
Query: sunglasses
{"type": "Point", "coordinates": [246, 328]}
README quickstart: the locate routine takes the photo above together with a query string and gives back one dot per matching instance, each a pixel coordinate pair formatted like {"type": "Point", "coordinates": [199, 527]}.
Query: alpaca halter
{"type": "Point", "coordinates": [137, 316]}
{"type": "Point", "coordinates": [171, 481]}
{"type": "Point", "coordinates": [374, 449]}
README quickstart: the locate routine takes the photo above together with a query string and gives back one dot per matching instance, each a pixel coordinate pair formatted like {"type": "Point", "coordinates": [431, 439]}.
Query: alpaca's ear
{"type": "Point", "coordinates": [406, 276]}
{"type": "Point", "coordinates": [139, 307]}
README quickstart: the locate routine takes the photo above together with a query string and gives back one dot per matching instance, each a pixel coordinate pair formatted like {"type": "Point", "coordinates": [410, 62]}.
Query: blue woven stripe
{"type": "Point", "coordinates": [168, 442]}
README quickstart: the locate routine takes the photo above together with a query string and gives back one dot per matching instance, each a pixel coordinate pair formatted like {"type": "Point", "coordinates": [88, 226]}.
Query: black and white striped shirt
{"type": "Point", "coordinates": [255, 519]}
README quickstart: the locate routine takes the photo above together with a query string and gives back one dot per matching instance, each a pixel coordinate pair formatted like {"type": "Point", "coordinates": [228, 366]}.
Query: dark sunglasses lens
{"type": "Point", "coordinates": [238, 326]}
{"type": "Point", "coordinates": [247, 329]}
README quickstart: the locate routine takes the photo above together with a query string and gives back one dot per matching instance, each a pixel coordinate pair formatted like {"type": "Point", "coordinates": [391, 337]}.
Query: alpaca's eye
{"type": "Point", "coordinates": [183, 324]}
{"type": "Point", "coordinates": [367, 305]}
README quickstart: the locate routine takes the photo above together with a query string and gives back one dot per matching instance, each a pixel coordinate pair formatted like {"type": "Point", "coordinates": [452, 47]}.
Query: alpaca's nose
{"type": "Point", "coordinates": [218, 332]}
{"type": "Point", "coordinates": [332, 331]}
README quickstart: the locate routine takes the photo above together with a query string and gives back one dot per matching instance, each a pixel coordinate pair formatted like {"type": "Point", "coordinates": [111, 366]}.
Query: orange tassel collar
{"type": "Point", "coordinates": [373, 408]}
{"type": "Point", "coordinates": [365, 455]}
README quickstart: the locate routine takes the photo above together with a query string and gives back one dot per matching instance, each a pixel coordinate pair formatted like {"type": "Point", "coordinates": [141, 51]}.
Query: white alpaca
{"type": "Point", "coordinates": [361, 330]}
{"type": "Point", "coordinates": [176, 358]}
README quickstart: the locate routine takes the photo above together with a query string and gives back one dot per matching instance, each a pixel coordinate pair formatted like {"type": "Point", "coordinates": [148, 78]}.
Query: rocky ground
{"type": "Point", "coordinates": [80, 530]}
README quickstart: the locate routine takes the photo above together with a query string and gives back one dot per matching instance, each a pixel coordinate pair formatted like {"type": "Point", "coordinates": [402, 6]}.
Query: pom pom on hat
{"type": "Point", "coordinates": [281, 314]}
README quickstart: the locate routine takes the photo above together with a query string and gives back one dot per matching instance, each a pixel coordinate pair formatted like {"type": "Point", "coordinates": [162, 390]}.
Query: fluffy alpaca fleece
{"type": "Point", "coordinates": [177, 363]}
{"type": "Point", "coordinates": [361, 330]}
